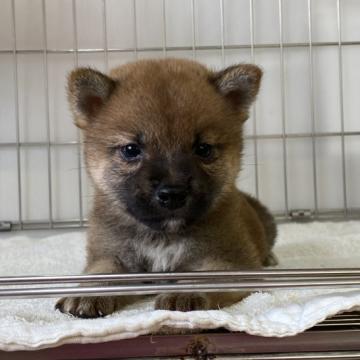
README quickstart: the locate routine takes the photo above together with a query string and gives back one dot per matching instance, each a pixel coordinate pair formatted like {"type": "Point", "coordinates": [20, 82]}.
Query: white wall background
{"type": "Point", "coordinates": [215, 32]}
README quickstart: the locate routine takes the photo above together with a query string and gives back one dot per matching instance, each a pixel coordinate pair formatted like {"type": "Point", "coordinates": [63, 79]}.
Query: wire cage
{"type": "Point", "coordinates": [301, 142]}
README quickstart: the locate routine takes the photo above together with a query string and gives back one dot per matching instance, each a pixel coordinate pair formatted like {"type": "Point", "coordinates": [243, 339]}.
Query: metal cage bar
{"type": "Point", "coordinates": [252, 50]}
{"type": "Point", "coordinates": [247, 137]}
{"type": "Point", "coordinates": [324, 215]}
{"type": "Point", "coordinates": [17, 119]}
{"type": "Point", "coordinates": [47, 112]}
{"type": "Point", "coordinates": [164, 26]}
{"type": "Point", "coordinates": [222, 30]}
{"type": "Point", "coordinates": [312, 108]}
{"type": "Point", "coordinates": [193, 48]}
{"type": "Point", "coordinates": [208, 281]}
{"type": "Point", "coordinates": [269, 274]}
{"type": "Point", "coordinates": [183, 287]}
{"type": "Point", "coordinates": [283, 115]}
{"type": "Point", "coordinates": [135, 50]}
{"type": "Point", "coordinates": [184, 48]}
{"type": "Point", "coordinates": [78, 135]}
{"type": "Point", "coordinates": [105, 37]}
{"type": "Point", "coordinates": [298, 356]}
{"type": "Point", "coordinates": [341, 101]}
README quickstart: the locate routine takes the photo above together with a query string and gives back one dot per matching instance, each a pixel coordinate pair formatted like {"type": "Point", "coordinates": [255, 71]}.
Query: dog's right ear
{"type": "Point", "coordinates": [88, 91]}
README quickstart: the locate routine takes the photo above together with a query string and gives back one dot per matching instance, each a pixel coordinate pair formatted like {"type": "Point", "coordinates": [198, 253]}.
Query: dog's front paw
{"type": "Point", "coordinates": [182, 302]}
{"type": "Point", "coordinates": [88, 307]}
{"type": "Point", "coordinates": [271, 260]}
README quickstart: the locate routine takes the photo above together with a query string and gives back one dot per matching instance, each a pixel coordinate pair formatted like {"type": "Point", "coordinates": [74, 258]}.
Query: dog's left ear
{"type": "Point", "coordinates": [239, 84]}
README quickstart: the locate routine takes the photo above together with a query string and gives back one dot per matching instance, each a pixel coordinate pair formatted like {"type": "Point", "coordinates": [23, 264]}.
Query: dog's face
{"type": "Point", "coordinates": [163, 137]}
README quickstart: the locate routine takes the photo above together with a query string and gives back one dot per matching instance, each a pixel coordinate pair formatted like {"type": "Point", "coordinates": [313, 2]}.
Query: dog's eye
{"type": "Point", "coordinates": [203, 150]}
{"type": "Point", "coordinates": [130, 152]}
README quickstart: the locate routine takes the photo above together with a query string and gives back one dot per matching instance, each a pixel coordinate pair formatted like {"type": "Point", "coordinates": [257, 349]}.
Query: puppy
{"type": "Point", "coordinates": [163, 144]}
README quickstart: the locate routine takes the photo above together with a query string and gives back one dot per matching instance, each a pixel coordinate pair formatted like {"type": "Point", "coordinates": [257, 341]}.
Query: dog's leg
{"type": "Point", "coordinates": [201, 301]}
{"type": "Point", "coordinates": [95, 306]}
{"type": "Point", "coordinates": [271, 260]}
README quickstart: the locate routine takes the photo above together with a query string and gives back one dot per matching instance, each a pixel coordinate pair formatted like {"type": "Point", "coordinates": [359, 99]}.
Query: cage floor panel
{"type": "Point", "coordinates": [342, 341]}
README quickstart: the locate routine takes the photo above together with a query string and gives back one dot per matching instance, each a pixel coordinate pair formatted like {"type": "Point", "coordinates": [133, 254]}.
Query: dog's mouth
{"type": "Point", "coordinates": [170, 224]}
{"type": "Point", "coordinates": [173, 225]}
{"type": "Point", "coordinates": [158, 218]}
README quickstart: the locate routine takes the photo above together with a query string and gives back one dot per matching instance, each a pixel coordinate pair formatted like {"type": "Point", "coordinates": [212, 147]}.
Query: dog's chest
{"type": "Point", "coordinates": [160, 256]}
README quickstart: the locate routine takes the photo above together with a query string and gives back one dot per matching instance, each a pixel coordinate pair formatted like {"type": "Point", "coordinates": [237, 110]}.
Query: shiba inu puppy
{"type": "Point", "coordinates": [163, 144]}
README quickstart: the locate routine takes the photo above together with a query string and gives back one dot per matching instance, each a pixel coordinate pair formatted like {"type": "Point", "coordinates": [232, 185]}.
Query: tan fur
{"type": "Point", "coordinates": [165, 105]}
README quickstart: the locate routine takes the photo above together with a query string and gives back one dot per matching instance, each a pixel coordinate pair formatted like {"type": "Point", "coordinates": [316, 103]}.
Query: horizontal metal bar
{"type": "Point", "coordinates": [348, 315]}
{"type": "Point", "coordinates": [43, 224]}
{"type": "Point", "coordinates": [296, 356]}
{"type": "Point", "coordinates": [341, 320]}
{"type": "Point", "coordinates": [25, 293]}
{"type": "Point", "coordinates": [302, 135]}
{"type": "Point", "coordinates": [5, 225]}
{"type": "Point", "coordinates": [247, 137]}
{"type": "Point", "coordinates": [322, 215]}
{"type": "Point", "coordinates": [330, 274]}
{"type": "Point", "coordinates": [179, 48]}
{"type": "Point", "coordinates": [339, 323]}
{"type": "Point", "coordinates": [40, 143]}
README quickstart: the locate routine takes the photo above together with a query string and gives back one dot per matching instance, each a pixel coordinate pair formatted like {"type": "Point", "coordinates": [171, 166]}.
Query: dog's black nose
{"type": "Point", "coordinates": [172, 196]}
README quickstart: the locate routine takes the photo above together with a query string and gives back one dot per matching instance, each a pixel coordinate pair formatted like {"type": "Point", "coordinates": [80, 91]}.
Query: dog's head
{"type": "Point", "coordinates": [163, 138]}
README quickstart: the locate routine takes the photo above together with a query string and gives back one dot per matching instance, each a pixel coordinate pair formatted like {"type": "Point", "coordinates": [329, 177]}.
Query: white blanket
{"type": "Point", "coordinates": [31, 324]}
